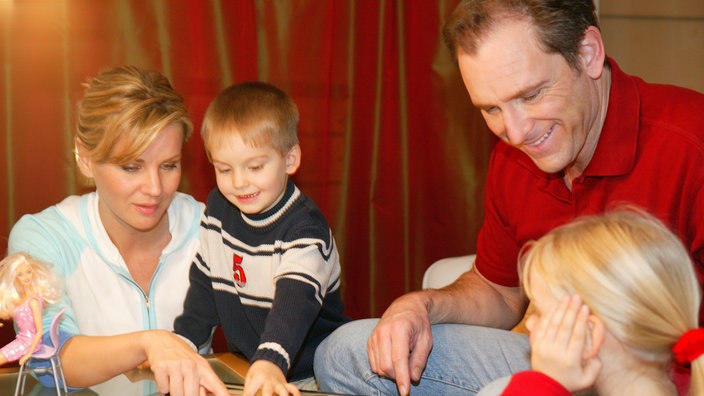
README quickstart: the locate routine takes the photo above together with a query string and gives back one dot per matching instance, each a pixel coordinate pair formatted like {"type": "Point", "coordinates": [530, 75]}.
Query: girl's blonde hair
{"type": "Point", "coordinates": [128, 105]}
{"type": "Point", "coordinates": [632, 272]}
{"type": "Point", "coordinates": [44, 283]}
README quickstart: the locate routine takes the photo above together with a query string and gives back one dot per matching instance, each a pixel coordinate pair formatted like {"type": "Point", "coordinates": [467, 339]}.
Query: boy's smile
{"type": "Point", "coordinates": [252, 178]}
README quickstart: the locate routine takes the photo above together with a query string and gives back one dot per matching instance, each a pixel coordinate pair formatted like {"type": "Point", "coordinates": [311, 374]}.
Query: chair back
{"type": "Point", "coordinates": [47, 351]}
{"type": "Point", "coordinates": [445, 271]}
{"type": "Point", "coordinates": [54, 329]}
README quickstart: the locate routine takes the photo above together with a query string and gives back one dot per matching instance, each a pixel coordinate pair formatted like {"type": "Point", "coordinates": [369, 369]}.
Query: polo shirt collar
{"type": "Point", "coordinates": [615, 153]}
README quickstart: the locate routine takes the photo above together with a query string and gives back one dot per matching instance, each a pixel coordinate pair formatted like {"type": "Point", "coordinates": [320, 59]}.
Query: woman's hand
{"type": "Point", "coordinates": [178, 369]}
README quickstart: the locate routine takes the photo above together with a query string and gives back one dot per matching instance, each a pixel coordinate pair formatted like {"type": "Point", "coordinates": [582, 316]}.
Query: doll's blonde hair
{"type": "Point", "coordinates": [44, 283]}
{"type": "Point", "coordinates": [632, 272]}
{"type": "Point", "coordinates": [127, 105]}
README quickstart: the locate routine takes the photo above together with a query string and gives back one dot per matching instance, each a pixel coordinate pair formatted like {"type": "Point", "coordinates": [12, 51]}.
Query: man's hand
{"type": "Point", "coordinates": [266, 377]}
{"type": "Point", "coordinates": [178, 369]}
{"type": "Point", "coordinates": [401, 342]}
{"type": "Point", "coordinates": [561, 346]}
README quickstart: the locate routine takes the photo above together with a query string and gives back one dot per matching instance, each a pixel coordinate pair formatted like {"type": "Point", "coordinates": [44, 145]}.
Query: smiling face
{"type": "Point", "coordinates": [134, 197]}
{"type": "Point", "coordinates": [252, 178]}
{"type": "Point", "coordinates": [534, 100]}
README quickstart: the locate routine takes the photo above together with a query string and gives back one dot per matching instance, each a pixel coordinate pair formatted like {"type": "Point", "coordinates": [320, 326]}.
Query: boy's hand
{"type": "Point", "coordinates": [559, 342]}
{"type": "Point", "coordinates": [266, 377]}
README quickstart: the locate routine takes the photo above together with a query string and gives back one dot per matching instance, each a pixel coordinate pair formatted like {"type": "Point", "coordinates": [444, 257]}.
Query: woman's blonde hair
{"type": "Point", "coordinates": [128, 105]}
{"type": "Point", "coordinates": [44, 283]}
{"type": "Point", "coordinates": [632, 272]}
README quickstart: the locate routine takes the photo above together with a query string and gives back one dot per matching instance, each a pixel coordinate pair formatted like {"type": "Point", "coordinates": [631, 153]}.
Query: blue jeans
{"type": "Point", "coordinates": [463, 359]}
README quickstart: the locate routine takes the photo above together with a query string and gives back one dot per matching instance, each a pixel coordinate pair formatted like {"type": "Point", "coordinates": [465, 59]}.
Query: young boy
{"type": "Point", "coordinates": [268, 270]}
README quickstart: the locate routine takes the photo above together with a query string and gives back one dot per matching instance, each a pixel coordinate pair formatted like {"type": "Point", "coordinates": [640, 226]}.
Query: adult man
{"type": "Point", "coordinates": [578, 136]}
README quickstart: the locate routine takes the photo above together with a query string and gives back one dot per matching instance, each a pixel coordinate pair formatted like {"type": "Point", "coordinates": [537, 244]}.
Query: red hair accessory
{"type": "Point", "coordinates": [689, 347]}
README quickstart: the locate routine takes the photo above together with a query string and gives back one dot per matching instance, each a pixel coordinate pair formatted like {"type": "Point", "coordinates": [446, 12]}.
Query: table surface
{"type": "Point", "coordinates": [230, 368]}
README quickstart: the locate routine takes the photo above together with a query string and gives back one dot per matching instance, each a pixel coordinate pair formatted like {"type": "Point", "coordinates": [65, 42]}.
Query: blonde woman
{"type": "Point", "coordinates": [614, 295]}
{"type": "Point", "coordinates": [124, 250]}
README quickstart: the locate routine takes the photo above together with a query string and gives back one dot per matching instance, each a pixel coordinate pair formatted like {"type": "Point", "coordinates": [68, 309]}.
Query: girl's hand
{"type": "Point", "coordinates": [561, 345]}
{"type": "Point", "coordinates": [266, 377]}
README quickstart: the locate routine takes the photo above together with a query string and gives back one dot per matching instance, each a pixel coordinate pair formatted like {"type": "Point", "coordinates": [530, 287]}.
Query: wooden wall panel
{"type": "Point", "coordinates": [657, 8]}
{"type": "Point", "coordinates": [658, 50]}
{"type": "Point", "coordinates": [661, 41]}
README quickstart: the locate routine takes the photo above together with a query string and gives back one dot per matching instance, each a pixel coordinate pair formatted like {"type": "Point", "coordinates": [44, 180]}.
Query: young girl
{"type": "Point", "coordinates": [613, 296]}
{"type": "Point", "coordinates": [25, 285]}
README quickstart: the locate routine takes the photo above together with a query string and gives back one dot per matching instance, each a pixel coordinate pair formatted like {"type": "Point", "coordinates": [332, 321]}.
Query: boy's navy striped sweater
{"type": "Point", "coordinates": [272, 280]}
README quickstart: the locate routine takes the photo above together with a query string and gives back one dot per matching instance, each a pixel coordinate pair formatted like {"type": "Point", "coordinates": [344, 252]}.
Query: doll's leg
{"type": "Point", "coordinates": [13, 351]}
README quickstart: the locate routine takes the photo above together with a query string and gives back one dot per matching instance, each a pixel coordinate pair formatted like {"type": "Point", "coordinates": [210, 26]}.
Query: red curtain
{"type": "Point", "coordinates": [393, 152]}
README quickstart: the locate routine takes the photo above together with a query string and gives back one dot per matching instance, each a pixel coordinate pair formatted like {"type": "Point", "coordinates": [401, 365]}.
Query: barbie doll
{"type": "Point", "coordinates": [25, 285]}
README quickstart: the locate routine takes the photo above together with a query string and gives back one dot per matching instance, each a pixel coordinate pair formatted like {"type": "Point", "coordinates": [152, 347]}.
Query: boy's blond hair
{"type": "Point", "coordinates": [259, 113]}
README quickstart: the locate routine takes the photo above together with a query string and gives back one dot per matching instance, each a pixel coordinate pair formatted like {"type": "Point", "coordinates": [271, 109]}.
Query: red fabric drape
{"type": "Point", "coordinates": [393, 152]}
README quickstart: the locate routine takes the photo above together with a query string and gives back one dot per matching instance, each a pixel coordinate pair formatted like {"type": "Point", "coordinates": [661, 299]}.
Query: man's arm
{"type": "Point", "coordinates": [401, 342]}
{"type": "Point", "coordinates": [472, 299]}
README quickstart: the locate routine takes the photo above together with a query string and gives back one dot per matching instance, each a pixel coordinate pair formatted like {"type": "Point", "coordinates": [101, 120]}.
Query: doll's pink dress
{"type": "Point", "coordinates": [24, 320]}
